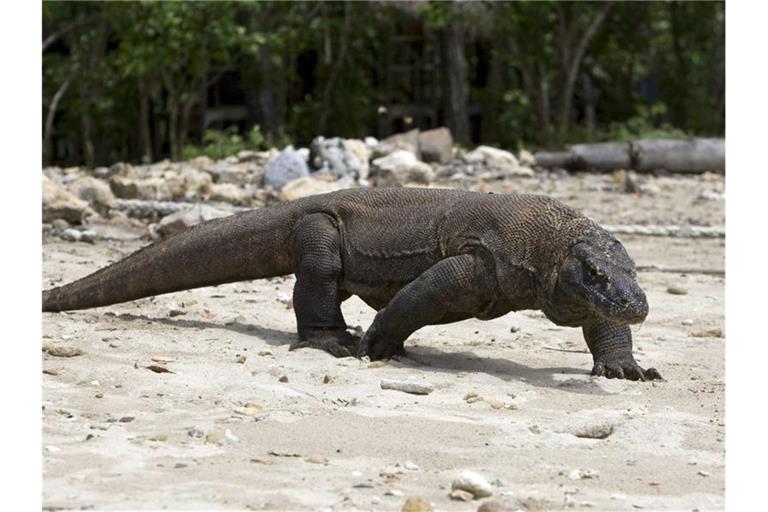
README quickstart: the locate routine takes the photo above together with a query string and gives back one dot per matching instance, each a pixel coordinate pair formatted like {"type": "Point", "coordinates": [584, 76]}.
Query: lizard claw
{"type": "Point", "coordinates": [624, 369]}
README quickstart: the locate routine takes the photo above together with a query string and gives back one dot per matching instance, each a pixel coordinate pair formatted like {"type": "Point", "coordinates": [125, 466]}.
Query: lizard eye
{"type": "Point", "coordinates": [593, 269]}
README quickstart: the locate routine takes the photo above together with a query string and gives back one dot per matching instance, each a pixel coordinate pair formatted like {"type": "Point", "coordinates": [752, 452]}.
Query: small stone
{"type": "Point", "coordinates": [265, 353]}
{"type": "Point", "coordinates": [327, 379]}
{"type": "Point", "coordinates": [408, 386]}
{"type": "Point", "coordinates": [179, 465]}
{"type": "Point", "coordinates": [687, 321]}
{"type": "Point", "coordinates": [52, 449]}
{"type": "Point", "coordinates": [708, 333]}
{"type": "Point", "coordinates": [514, 329]}
{"type": "Point", "coordinates": [474, 399]}
{"type": "Point", "coordinates": [62, 351]}
{"type": "Point", "coordinates": [230, 437]}
{"type": "Point", "coordinates": [126, 419]}
{"type": "Point", "coordinates": [583, 474]}
{"type": "Point", "coordinates": [704, 473]}
{"type": "Point", "coordinates": [393, 492]}
{"type": "Point", "coordinates": [459, 495]}
{"type": "Point", "coordinates": [195, 433]}
{"type": "Point", "coordinates": [214, 437]}
{"type": "Point", "coordinates": [493, 506]}
{"type": "Point", "coordinates": [283, 379]}
{"type": "Point", "coordinates": [159, 438]}
{"type": "Point", "coordinates": [163, 359]}
{"type": "Point", "coordinates": [410, 466]}
{"type": "Point", "coordinates": [175, 310]}
{"type": "Point", "coordinates": [496, 404]}
{"type": "Point", "coordinates": [249, 409]}
{"type": "Point", "coordinates": [240, 359]}
{"type": "Point", "coordinates": [375, 500]}
{"type": "Point", "coordinates": [71, 235]}
{"type": "Point", "coordinates": [599, 431]}
{"type": "Point", "coordinates": [677, 290]}
{"type": "Point", "coordinates": [99, 395]}
{"type": "Point", "coordinates": [473, 483]}
{"type": "Point", "coordinates": [417, 505]}
{"type": "Point", "coordinates": [377, 364]}
{"type": "Point", "coordinates": [317, 459]}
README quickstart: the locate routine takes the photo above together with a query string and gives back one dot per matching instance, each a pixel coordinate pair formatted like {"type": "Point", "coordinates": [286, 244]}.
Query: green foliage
{"type": "Point", "coordinates": [130, 75]}
{"type": "Point", "coordinates": [218, 144]}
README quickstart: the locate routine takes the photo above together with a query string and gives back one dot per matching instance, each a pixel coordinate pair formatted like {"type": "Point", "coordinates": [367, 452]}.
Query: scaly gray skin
{"type": "Point", "coordinates": [418, 256]}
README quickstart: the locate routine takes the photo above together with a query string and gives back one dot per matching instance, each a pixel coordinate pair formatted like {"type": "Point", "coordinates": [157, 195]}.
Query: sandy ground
{"type": "Point", "coordinates": [325, 436]}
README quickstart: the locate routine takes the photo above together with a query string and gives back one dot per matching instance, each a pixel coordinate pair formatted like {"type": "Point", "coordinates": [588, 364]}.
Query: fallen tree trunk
{"type": "Point", "coordinates": [668, 230]}
{"type": "Point", "coordinates": [691, 155]}
{"type": "Point", "coordinates": [644, 155]}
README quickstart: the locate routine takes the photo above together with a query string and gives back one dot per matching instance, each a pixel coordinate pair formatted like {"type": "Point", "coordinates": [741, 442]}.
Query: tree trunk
{"type": "Point", "coordinates": [48, 128]}
{"type": "Point", "coordinates": [145, 132]}
{"type": "Point", "coordinates": [335, 70]}
{"type": "Point", "coordinates": [573, 67]}
{"type": "Point", "coordinates": [173, 128]}
{"type": "Point", "coordinates": [456, 82]}
{"type": "Point", "coordinates": [86, 127]}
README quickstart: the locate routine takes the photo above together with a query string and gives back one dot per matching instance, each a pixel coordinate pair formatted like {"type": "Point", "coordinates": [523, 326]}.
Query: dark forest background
{"type": "Point", "coordinates": [142, 81]}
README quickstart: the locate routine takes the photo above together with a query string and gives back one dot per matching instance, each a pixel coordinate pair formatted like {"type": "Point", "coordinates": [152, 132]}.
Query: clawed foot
{"type": "Point", "coordinates": [624, 369]}
{"type": "Point", "coordinates": [376, 347]}
{"type": "Point", "coordinates": [336, 342]}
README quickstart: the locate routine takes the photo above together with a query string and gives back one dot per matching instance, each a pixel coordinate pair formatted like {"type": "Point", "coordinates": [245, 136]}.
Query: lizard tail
{"type": "Point", "coordinates": [251, 245]}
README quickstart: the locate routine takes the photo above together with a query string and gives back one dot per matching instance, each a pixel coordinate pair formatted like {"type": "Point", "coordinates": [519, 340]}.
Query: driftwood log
{"type": "Point", "coordinates": [644, 155]}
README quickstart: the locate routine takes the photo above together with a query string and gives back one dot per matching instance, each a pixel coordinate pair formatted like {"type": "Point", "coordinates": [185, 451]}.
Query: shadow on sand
{"type": "Point", "coordinates": [417, 357]}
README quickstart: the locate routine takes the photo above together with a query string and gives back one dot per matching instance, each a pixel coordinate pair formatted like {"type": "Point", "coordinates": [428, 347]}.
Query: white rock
{"type": "Point", "coordinates": [230, 437]}
{"type": "Point", "coordinates": [400, 168]}
{"type": "Point", "coordinates": [414, 387]}
{"type": "Point", "coordinates": [71, 235]}
{"type": "Point", "coordinates": [309, 186]}
{"type": "Point", "coordinates": [410, 465]}
{"type": "Point", "coordinates": [473, 483]}
{"type": "Point", "coordinates": [59, 203]}
{"type": "Point", "coordinates": [497, 159]}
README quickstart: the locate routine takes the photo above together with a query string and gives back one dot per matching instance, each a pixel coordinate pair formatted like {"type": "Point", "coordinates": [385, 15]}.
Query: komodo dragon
{"type": "Point", "coordinates": [418, 256]}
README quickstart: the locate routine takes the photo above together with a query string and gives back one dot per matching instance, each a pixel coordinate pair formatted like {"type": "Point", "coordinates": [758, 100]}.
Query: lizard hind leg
{"type": "Point", "coordinates": [316, 295]}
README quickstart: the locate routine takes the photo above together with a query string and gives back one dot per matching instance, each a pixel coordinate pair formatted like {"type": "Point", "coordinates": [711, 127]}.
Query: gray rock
{"type": "Point", "coordinates": [340, 158]}
{"type": "Point", "coordinates": [400, 168]}
{"type": "Point", "coordinates": [152, 189]}
{"type": "Point", "coordinates": [497, 159]}
{"type": "Point", "coordinates": [59, 203]}
{"type": "Point", "coordinates": [180, 221]}
{"type": "Point", "coordinates": [285, 167]}
{"type": "Point", "coordinates": [95, 191]}
{"type": "Point", "coordinates": [436, 145]}
{"type": "Point", "coordinates": [408, 141]}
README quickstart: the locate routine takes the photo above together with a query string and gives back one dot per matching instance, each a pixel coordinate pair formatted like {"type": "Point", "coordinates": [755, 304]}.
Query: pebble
{"type": "Point", "coordinates": [230, 437]}
{"type": "Point", "coordinates": [99, 395]}
{"type": "Point", "coordinates": [417, 505]}
{"type": "Point", "coordinates": [62, 351]}
{"type": "Point", "coordinates": [677, 290]}
{"type": "Point", "coordinates": [599, 431]}
{"type": "Point", "coordinates": [265, 353]}
{"type": "Point", "coordinates": [496, 404]}
{"type": "Point", "coordinates": [410, 465]}
{"type": "Point", "coordinates": [583, 474]}
{"type": "Point", "coordinates": [240, 359]}
{"type": "Point", "coordinates": [327, 379]}
{"type": "Point", "coordinates": [492, 506]}
{"type": "Point", "coordinates": [687, 321]}
{"type": "Point", "coordinates": [88, 236]}
{"type": "Point", "coordinates": [195, 433]}
{"type": "Point", "coordinates": [163, 359]}
{"type": "Point", "coordinates": [393, 492]}
{"type": "Point", "coordinates": [175, 310]}
{"type": "Point", "coordinates": [52, 449]}
{"type": "Point", "coordinates": [159, 438]}
{"type": "Point", "coordinates": [708, 333]}
{"type": "Point", "coordinates": [377, 364]}
{"type": "Point", "coordinates": [704, 473]}
{"type": "Point", "coordinates": [283, 379]}
{"type": "Point", "coordinates": [459, 495]}
{"type": "Point", "coordinates": [71, 235]}
{"type": "Point", "coordinates": [317, 459]}
{"type": "Point", "coordinates": [414, 387]}
{"type": "Point", "coordinates": [375, 500]}
{"type": "Point", "coordinates": [249, 409]}
{"type": "Point", "coordinates": [514, 329]}
{"type": "Point", "coordinates": [473, 483]}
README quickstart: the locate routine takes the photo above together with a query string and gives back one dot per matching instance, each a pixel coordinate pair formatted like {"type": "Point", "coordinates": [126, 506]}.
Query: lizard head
{"type": "Point", "coordinates": [599, 274]}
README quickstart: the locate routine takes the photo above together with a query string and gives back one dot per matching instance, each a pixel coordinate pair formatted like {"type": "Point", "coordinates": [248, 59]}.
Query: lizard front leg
{"type": "Point", "coordinates": [611, 347]}
{"type": "Point", "coordinates": [424, 301]}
